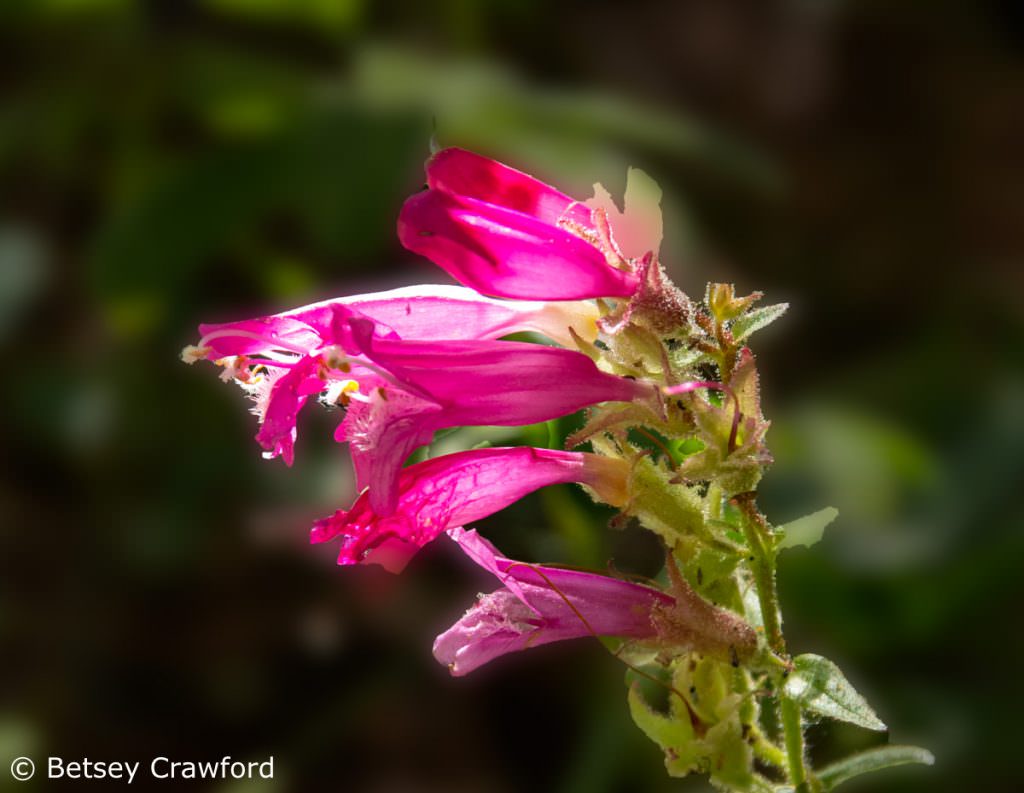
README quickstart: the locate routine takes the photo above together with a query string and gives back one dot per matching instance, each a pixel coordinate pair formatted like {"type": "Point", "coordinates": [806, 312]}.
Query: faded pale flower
{"type": "Point", "coordinates": [539, 605]}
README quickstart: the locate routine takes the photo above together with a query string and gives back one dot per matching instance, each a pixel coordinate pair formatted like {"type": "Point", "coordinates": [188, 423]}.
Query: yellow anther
{"type": "Point", "coordinates": [339, 390]}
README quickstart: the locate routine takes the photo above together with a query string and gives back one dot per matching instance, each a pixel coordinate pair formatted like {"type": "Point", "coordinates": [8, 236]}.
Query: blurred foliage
{"type": "Point", "coordinates": [169, 162]}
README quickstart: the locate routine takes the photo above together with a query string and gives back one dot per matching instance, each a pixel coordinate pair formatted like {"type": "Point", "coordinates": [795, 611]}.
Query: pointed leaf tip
{"type": "Point", "coordinates": [819, 686]}
{"type": "Point", "coordinates": [872, 760]}
{"type": "Point", "coordinates": [807, 530]}
{"type": "Point", "coordinates": [752, 321]}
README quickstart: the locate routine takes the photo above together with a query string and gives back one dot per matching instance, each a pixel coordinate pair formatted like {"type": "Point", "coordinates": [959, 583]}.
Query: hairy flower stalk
{"type": "Point", "coordinates": [676, 439]}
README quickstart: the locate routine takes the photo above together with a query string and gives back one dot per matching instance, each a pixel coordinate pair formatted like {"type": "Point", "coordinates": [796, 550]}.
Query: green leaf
{"type": "Point", "coordinates": [755, 320]}
{"type": "Point", "coordinates": [807, 530]}
{"type": "Point", "coordinates": [818, 685]}
{"type": "Point", "coordinates": [731, 756]}
{"type": "Point", "coordinates": [674, 735]}
{"type": "Point", "coordinates": [872, 760]}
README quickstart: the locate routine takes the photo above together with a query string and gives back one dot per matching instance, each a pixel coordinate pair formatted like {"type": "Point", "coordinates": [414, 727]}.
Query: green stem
{"type": "Point", "coordinates": [763, 567]}
{"type": "Point", "coordinates": [766, 751]}
{"type": "Point", "coordinates": [714, 501]}
{"type": "Point", "coordinates": [794, 738]}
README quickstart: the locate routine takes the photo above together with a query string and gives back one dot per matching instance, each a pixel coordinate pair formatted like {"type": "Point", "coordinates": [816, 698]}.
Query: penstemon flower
{"type": "Point", "coordinates": [399, 391]}
{"type": "Point", "coordinates": [413, 312]}
{"type": "Point", "coordinates": [677, 444]}
{"type": "Point", "coordinates": [459, 488]}
{"type": "Point", "coordinates": [505, 233]}
{"type": "Point", "coordinates": [541, 604]}
{"type": "Point", "coordinates": [537, 605]}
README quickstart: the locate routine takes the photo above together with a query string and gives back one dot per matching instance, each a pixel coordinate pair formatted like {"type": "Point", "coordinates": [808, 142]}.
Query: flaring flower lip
{"type": "Point", "coordinates": [400, 391]}
{"type": "Point", "coordinates": [507, 234]}
{"type": "Point", "coordinates": [456, 489]}
{"type": "Point", "coordinates": [538, 605]}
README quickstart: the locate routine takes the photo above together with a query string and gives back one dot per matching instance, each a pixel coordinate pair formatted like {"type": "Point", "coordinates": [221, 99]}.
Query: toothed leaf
{"type": "Point", "coordinates": [818, 685]}
{"type": "Point", "coordinates": [754, 320]}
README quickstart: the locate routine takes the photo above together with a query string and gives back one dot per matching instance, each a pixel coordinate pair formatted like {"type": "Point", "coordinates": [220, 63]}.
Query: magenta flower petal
{"type": "Point", "coordinates": [503, 382]}
{"type": "Point", "coordinates": [506, 234]}
{"type": "Point", "coordinates": [459, 488]}
{"type": "Point", "coordinates": [466, 383]}
{"type": "Point", "coordinates": [257, 336]}
{"type": "Point", "coordinates": [501, 252]}
{"type": "Point", "coordinates": [434, 312]}
{"type": "Point", "coordinates": [287, 394]}
{"type": "Point", "coordinates": [538, 605]}
{"type": "Point", "coordinates": [427, 384]}
{"type": "Point", "coordinates": [303, 332]}
{"type": "Point", "coordinates": [382, 430]}
{"type": "Point", "coordinates": [459, 172]}
{"type": "Point", "coordinates": [290, 366]}
{"type": "Point", "coordinates": [425, 312]}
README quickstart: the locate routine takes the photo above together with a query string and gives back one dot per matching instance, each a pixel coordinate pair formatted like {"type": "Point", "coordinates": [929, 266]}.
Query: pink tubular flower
{"type": "Point", "coordinates": [399, 391]}
{"type": "Point", "coordinates": [465, 383]}
{"type": "Point", "coordinates": [425, 312]}
{"type": "Point", "coordinates": [507, 234]}
{"type": "Point", "coordinates": [538, 605]}
{"type": "Point", "coordinates": [456, 489]}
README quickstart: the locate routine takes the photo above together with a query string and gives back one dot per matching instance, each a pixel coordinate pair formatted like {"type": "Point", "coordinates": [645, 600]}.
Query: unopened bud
{"type": "Point", "coordinates": [720, 299]}
{"type": "Point", "coordinates": [725, 305]}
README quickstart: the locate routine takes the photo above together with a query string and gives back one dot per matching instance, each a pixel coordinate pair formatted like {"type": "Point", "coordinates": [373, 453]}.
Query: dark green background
{"type": "Point", "coordinates": [164, 163]}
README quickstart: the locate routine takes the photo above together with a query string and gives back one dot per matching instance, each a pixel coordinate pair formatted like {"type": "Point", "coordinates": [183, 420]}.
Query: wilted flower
{"type": "Point", "coordinates": [538, 605]}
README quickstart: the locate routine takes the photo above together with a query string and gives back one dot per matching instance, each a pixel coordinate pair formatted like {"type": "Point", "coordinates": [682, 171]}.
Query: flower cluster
{"type": "Point", "coordinates": [409, 362]}
{"type": "Point", "coordinates": [673, 423]}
